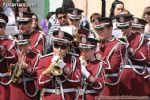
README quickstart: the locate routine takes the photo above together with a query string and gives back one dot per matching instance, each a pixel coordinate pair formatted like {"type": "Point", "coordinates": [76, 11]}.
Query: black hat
{"type": "Point", "coordinates": [25, 16]}
{"type": "Point", "coordinates": [123, 20]}
{"type": "Point", "coordinates": [23, 38]}
{"type": "Point", "coordinates": [3, 18]}
{"type": "Point", "coordinates": [74, 13]}
{"type": "Point", "coordinates": [88, 42]}
{"type": "Point", "coordinates": [138, 23]}
{"type": "Point", "coordinates": [61, 36]}
{"type": "Point", "coordinates": [103, 22]}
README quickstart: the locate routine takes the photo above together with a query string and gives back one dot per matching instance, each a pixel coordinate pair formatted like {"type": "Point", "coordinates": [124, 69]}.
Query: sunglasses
{"type": "Point", "coordinates": [123, 27]}
{"type": "Point", "coordinates": [23, 22]}
{"type": "Point", "coordinates": [2, 26]}
{"type": "Point", "coordinates": [148, 13]}
{"type": "Point", "coordinates": [62, 17]}
{"type": "Point", "coordinates": [74, 20]}
{"type": "Point", "coordinates": [60, 46]}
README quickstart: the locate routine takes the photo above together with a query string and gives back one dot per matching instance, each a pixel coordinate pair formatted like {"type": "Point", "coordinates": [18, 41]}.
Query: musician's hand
{"type": "Point", "coordinates": [82, 61]}
{"type": "Point", "coordinates": [55, 58]}
{"type": "Point", "coordinates": [61, 63]}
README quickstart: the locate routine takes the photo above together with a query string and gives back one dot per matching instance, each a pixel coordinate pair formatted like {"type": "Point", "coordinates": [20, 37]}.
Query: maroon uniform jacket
{"type": "Point", "coordinates": [28, 87]}
{"type": "Point", "coordinates": [112, 52]}
{"type": "Point", "coordinates": [94, 84]}
{"type": "Point", "coordinates": [59, 87]}
{"type": "Point", "coordinates": [7, 57]}
{"type": "Point", "coordinates": [38, 41]}
{"type": "Point", "coordinates": [133, 79]}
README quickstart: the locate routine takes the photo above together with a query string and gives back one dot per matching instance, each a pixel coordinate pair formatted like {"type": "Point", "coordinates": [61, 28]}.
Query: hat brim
{"type": "Point", "coordinates": [23, 42]}
{"type": "Point", "coordinates": [74, 16]}
{"type": "Point", "coordinates": [86, 46]}
{"type": "Point", "coordinates": [65, 41]}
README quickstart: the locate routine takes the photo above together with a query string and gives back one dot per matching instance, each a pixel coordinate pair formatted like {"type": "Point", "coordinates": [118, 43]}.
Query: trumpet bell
{"type": "Point", "coordinates": [56, 70]}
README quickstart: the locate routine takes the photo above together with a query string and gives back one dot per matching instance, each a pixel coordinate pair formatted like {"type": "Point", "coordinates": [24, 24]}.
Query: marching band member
{"type": "Point", "coordinates": [37, 37]}
{"type": "Point", "coordinates": [58, 73]}
{"type": "Point", "coordinates": [112, 52]}
{"type": "Point", "coordinates": [134, 79]}
{"type": "Point", "coordinates": [138, 25]}
{"type": "Point", "coordinates": [7, 56]}
{"type": "Point", "coordinates": [74, 17]}
{"type": "Point", "coordinates": [24, 75]}
{"type": "Point", "coordinates": [91, 68]}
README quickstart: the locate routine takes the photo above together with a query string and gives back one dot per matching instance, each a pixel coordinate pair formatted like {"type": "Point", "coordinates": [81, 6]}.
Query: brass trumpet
{"type": "Point", "coordinates": [55, 69]}
{"type": "Point", "coordinates": [18, 72]}
{"type": "Point", "coordinates": [18, 69]}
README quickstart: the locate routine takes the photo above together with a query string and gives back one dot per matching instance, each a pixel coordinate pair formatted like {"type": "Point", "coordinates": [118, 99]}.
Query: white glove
{"type": "Point", "coordinates": [55, 58]}
{"type": "Point", "coordinates": [83, 62]}
{"type": "Point", "coordinates": [84, 71]}
{"type": "Point", "coordinates": [61, 63]}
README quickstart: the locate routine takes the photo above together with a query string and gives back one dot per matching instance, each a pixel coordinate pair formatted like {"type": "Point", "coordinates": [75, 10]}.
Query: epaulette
{"type": "Point", "coordinates": [46, 55]}
{"type": "Point", "coordinates": [122, 40]}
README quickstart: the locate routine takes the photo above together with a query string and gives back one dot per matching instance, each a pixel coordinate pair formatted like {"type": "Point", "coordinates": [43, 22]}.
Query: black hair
{"type": "Point", "coordinates": [60, 10]}
{"type": "Point", "coordinates": [113, 6]}
{"type": "Point", "coordinates": [49, 15]}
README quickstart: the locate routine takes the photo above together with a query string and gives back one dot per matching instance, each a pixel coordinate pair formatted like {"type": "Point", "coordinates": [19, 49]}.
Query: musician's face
{"type": "Point", "coordinates": [60, 49]}
{"type": "Point", "coordinates": [104, 33]}
{"type": "Point", "coordinates": [74, 22]}
{"type": "Point", "coordinates": [25, 27]}
{"type": "Point", "coordinates": [2, 29]}
{"type": "Point", "coordinates": [88, 53]}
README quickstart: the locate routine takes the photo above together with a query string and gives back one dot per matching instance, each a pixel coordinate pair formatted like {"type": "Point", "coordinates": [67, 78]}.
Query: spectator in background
{"type": "Point", "coordinates": [146, 16]}
{"type": "Point", "coordinates": [45, 24]}
{"type": "Point", "coordinates": [11, 27]}
{"type": "Point", "coordinates": [61, 17]}
{"type": "Point", "coordinates": [116, 8]}
{"type": "Point", "coordinates": [66, 5]}
{"type": "Point", "coordinates": [83, 22]}
{"type": "Point", "coordinates": [22, 8]}
{"type": "Point", "coordinates": [35, 26]}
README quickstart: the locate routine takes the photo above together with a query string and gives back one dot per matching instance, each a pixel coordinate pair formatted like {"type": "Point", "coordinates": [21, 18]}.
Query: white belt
{"type": "Point", "coordinates": [111, 75]}
{"type": "Point", "coordinates": [81, 91]}
{"type": "Point", "coordinates": [58, 91]}
{"type": "Point", "coordinates": [4, 74]}
{"type": "Point", "coordinates": [134, 66]}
